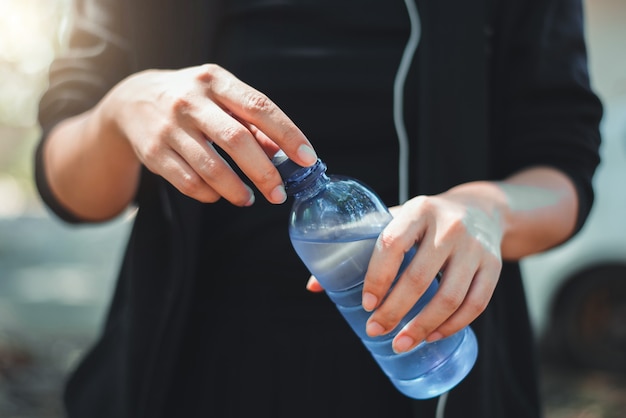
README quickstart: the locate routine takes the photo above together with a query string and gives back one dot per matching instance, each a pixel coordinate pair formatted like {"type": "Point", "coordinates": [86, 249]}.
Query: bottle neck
{"type": "Point", "coordinates": [307, 181]}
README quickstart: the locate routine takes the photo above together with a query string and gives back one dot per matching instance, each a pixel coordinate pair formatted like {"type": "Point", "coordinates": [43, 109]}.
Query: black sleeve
{"type": "Point", "coordinates": [546, 111]}
{"type": "Point", "coordinates": [96, 59]}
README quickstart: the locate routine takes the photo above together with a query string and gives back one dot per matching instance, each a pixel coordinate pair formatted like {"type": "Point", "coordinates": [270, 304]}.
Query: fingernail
{"type": "Point", "coordinates": [252, 198]}
{"type": "Point", "coordinates": [374, 329]}
{"type": "Point", "coordinates": [278, 195]}
{"type": "Point", "coordinates": [403, 344]}
{"type": "Point", "coordinates": [307, 155]}
{"type": "Point", "coordinates": [369, 301]}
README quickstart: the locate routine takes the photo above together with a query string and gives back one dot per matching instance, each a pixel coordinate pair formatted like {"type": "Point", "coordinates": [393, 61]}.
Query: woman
{"type": "Point", "coordinates": [478, 119]}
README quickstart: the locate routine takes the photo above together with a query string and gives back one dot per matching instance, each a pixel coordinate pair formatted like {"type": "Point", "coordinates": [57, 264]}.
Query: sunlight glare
{"type": "Point", "coordinates": [27, 33]}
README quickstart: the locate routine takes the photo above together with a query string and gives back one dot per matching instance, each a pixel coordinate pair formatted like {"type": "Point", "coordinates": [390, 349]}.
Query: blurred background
{"type": "Point", "coordinates": [56, 280]}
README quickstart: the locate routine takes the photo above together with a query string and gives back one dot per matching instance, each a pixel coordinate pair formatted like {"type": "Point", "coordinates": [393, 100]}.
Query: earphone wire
{"type": "Point", "coordinates": [398, 100]}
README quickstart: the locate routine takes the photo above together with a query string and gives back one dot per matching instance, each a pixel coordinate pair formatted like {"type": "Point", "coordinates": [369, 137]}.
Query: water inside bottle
{"type": "Point", "coordinates": [426, 371]}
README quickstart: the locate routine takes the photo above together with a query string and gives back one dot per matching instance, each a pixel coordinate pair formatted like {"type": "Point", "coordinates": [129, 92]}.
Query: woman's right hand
{"type": "Point", "coordinates": [175, 119]}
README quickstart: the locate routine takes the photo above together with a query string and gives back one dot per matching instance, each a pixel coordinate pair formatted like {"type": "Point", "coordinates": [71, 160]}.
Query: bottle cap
{"type": "Point", "coordinates": [284, 165]}
{"type": "Point", "coordinates": [295, 177]}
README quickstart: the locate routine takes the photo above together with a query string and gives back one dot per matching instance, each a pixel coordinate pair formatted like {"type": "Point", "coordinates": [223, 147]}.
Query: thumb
{"type": "Point", "coordinates": [313, 285]}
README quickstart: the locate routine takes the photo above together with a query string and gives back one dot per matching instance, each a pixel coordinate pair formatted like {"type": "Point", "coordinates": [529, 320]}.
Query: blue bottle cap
{"type": "Point", "coordinates": [286, 167]}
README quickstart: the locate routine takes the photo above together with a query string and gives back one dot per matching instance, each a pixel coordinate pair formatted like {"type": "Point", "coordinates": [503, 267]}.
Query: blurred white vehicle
{"type": "Point", "coordinates": [577, 292]}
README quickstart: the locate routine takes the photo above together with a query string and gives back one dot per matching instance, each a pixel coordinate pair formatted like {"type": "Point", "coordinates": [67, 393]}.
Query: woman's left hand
{"type": "Point", "coordinates": [455, 237]}
{"type": "Point", "coordinates": [464, 233]}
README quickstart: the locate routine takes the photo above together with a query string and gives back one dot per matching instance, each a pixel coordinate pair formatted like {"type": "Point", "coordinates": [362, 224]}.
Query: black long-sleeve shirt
{"type": "Point", "coordinates": [210, 316]}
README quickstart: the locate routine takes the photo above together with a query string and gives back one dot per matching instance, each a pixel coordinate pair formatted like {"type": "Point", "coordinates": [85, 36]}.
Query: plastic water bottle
{"type": "Point", "coordinates": [333, 226]}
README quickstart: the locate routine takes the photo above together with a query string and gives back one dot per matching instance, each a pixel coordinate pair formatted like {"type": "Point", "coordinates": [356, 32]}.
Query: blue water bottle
{"type": "Point", "coordinates": [333, 226]}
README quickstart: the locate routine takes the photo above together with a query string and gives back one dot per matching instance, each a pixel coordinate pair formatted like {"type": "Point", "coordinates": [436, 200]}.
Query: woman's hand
{"type": "Point", "coordinates": [171, 122]}
{"type": "Point", "coordinates": [464, 233]}
{"type": "Point", "coordinates": [174, 120]}
{"type": "Point", "coordinates": [454, 236]}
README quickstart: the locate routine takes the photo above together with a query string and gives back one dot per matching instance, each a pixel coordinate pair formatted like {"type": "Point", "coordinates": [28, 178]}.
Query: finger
{"type": "Point", "coordinates": [269, 147]}
{"type": "Point", "coordinates": [173, 168]}
{"type": "Point", "coordinates": [257, 109]}
{"type": "Point", "coordinates": [453, 288]}
{"type": "Point", "coordinates": [478, 296]}
{"type": "Point", "coordinates": [411, 285]}
{"type": "Point", "coordinates": [217, 173]}
{"type": "Point", "coordinates": [240, 143]}
{"type": "Point", "coordinates": [392, 245]}
{"type": "Point", "coordinates": [313, 285]}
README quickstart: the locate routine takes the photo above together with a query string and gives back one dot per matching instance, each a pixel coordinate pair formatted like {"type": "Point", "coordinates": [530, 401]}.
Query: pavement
{"type": "Point", "coordinates": [55, 285]}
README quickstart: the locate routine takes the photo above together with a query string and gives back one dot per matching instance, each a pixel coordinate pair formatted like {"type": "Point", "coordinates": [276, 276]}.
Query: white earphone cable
{"type": "Point", "coordinates": [398, 100]}
{"type": "Point", "coordinates": [441, 405]}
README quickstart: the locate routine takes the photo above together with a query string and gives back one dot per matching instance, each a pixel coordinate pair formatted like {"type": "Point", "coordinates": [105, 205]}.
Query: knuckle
{"type": "Point", "coordinates": [377, 284]}
{"type": "Point", "coordinates": [206, 165]}
{"type": "Point", "coordinates": [256, 102]}
{"type": "Point", "coordinates": [386, 241]}
{"type": "Point", "coordinates": [423, 203]}
{"type": "Point", "coordinates": [181, 105]}
{"type": "Point", "coordinates": [456, 228]}
{"type": "Point", "coordinates": [476, 306]}
{"type": "Point", "coordinates": [151, 151]}
{"type": "Point", "coordinates": [233, 135]}
{"type": "Point", "coordinates": [190, 185]}
{"type": "Point", "coordinates": [418, 328]}
{"type": "Point", "coordinates": [265, 181]}
{"type": "Point", "coordinates": [450, 300]}
{"type": "Point", "coordinates": [208, 72]}
{"type": "Point", "coordinates": [389, 318]}
{"type": "Point", "coordinates": [265, 177]}
{"type": "Point", "coordinates": [416, 280]}
{"type": "Point", "coordinates": [211, 169]}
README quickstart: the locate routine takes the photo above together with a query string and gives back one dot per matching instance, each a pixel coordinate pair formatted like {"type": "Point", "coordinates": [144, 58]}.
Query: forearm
{"type": "Point", "coordinates": [536, 208]}
{"type": "Point", "coordinates": [90, 168]}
